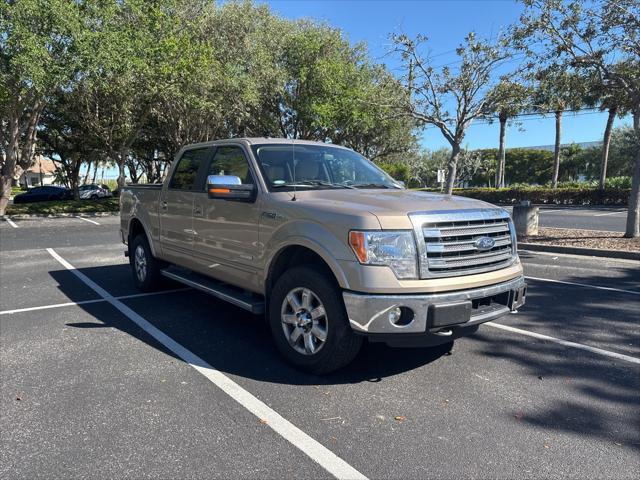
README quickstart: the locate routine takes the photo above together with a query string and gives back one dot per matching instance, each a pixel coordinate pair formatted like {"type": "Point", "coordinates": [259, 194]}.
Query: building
{"type": "Point", "coordinates": [42, 172]}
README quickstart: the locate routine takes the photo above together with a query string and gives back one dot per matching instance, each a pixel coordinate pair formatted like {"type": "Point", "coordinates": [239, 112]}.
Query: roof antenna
{"type": "Point", "coordinates": [293, 156]}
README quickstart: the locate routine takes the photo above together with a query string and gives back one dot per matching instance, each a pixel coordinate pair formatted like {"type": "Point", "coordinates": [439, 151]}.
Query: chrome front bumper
{"type": "Point", "coordinates": [369, 313]}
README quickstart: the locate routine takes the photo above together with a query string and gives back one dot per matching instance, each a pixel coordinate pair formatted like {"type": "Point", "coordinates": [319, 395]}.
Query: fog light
{"type": "Point", "coordinates": [401, 316]}
{"type": "Point", "coordinates": [395, 314]}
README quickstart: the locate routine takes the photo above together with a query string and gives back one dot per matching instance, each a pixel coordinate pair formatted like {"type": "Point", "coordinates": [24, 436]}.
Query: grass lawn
{"type": "Point", "coordinates": [65, 206]}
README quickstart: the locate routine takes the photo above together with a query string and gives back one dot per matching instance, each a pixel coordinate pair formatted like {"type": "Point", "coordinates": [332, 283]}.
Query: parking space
{"type": "Point", "coordinates": [87, 389]}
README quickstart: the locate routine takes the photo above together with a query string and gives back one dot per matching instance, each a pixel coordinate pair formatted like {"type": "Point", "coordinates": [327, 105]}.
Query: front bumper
{"type": "Point", "coordinates": [438, 314]}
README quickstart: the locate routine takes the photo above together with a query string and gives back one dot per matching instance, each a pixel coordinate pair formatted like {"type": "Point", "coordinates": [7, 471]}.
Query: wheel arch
{"type": "Point", "coordinates": [136, 227]}
{"type": "Point", "coordinates": [299, 254]}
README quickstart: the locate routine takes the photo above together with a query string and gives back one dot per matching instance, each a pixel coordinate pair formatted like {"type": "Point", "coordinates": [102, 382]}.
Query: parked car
{"type": "Point", "coordinates": [43, 194]}
{"type": "Point", "coordinates": [323, 242]}
{"type": "Point", "coordinates": [93, 191]}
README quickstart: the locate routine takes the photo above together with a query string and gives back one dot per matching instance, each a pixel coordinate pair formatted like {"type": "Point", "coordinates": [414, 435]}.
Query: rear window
{"type": "Point", "coordinates": [186, 173]}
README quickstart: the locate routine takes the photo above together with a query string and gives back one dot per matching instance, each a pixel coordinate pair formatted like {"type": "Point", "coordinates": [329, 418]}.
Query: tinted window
{"type": "Point", "coordinates": [186, 173]}
{"type": "Point", "coordinates": [231, 161]}
{"type": "Point", "coordinates": [286, 164]}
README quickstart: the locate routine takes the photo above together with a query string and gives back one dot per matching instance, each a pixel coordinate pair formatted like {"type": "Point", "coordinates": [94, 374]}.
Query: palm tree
{"type": "Point", "coordinates": [508, 99]}
{"type": "Point", "coordinates": [557, 91]}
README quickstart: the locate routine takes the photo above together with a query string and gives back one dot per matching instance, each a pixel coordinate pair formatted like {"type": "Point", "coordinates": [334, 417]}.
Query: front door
{"type": "Point", "coordinates": [176, 205]}
{"type": "Point", "coordinates": [226, 242]}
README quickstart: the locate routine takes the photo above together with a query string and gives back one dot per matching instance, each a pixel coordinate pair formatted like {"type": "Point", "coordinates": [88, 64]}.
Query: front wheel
{"type": "Point", "coordinates": [309, 323]}
{"type": "Point", "coordinates": [144, 266]}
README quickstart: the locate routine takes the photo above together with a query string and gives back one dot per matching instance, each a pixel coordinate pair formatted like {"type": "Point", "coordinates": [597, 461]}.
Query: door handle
{"type": "Point", "coordinates": [197, 210]}
{"type": "Point", "coordinates": [164, 205]}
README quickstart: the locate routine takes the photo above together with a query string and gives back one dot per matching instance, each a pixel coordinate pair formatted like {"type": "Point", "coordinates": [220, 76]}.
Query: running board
{"type": "Point", "coordinates": [235, 296]}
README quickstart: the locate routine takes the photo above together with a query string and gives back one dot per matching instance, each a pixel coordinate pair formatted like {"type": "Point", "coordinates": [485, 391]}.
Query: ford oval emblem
{"type": "Point", "coordinates": [484, 243]}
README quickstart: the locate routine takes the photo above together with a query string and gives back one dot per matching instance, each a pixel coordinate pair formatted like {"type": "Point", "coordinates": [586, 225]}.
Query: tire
{"type": "Point", "coordinates": [94, 197]}
{"type": "Point", "coordinates": [340, 344]}
{"type": "Point", "coordinates": [145, 268]}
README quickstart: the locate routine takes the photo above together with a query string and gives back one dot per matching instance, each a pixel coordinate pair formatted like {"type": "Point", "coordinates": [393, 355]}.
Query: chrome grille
{"type": "Point", "coordinates": [447, 242]}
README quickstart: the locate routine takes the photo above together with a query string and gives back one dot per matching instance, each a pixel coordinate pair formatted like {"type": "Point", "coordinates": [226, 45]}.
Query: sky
{"type": "Point", "coordinates": [445, 23]}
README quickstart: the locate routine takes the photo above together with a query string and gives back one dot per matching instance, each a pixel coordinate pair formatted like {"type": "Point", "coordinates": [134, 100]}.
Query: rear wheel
{"type": "Point", "coordinates": [309, 323]}
{"type": "Point", "coordinates": [144, 266]}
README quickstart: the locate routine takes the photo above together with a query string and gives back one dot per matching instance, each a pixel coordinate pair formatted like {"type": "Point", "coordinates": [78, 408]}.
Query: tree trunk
{"type": "Point", "coordinates": [122, 178]}
{"type": "Point", "coordinates": [85, 180]}
{"type": "Point", "coordinates": [95, 172]}
{"type": "Point", "coordinates": [501, 154]}
{"type": "Point", "coordinates": [605, 146]}
{"type": "Point", "coordinates": [556, 150]}
{"type": "Point", "coordinates": [75, 178]}
{"type": "Point", "coordinates": [452, 168]}
{"type": "Point", "coordinates": [9, 166]}
{"type": "Point", "coordinates": [633, 215]}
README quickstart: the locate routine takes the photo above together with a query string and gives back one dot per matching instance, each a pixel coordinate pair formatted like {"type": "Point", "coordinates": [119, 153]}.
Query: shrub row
{"type": "Point", "coordinates": [65, 206]}
{"type": "Point", "coordinates": [544, 195]}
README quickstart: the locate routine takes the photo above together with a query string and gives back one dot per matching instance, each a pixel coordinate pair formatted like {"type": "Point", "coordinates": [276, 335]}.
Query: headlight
{"type": "Point", "coordinates": [396, 250]}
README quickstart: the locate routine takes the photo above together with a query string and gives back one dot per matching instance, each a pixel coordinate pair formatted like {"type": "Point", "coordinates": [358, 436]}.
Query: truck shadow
{"type": "Point", "coordinates": [228, 338]}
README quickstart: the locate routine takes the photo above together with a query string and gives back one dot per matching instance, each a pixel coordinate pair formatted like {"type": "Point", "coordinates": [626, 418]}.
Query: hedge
{"type": "Point", "coordinates": [53, 207]}
{"type": "Point", "coordinates": [544, 195]}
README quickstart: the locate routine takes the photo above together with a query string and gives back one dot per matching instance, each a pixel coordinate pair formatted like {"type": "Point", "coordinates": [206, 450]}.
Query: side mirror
{"type": "Point", "coordinates": [230, 187]}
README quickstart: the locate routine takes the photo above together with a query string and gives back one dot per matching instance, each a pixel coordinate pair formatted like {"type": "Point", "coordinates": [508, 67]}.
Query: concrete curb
{"type": "Point", "coordinates": [591, 252]}
{"type": "Point", "coordinates": [24, 216]}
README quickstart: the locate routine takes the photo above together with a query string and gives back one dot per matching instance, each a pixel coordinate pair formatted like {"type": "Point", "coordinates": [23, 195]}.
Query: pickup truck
{"type": "Point", "coordinates": [331, 249]}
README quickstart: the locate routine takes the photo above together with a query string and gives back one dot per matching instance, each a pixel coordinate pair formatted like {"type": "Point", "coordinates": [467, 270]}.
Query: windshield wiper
{"type": "Point", "coordinates": [306, 183]}
{"type": "Point", "coordinates": [372, 185]}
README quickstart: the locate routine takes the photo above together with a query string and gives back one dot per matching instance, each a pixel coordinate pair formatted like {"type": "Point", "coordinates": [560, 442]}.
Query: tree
{"type": "Point", "coordinates": [64, 138]}
{"type": "Point", "coordinates": [603, 39]}
{"type": "Point", "coordinates": [449, 99]}
{"type": "Point", "coordinates": [38, 53]}
{"type": "Point", "coordinates": [558, 90]}
{"type": "Point", "coordinates": [611, 101]}
{"type": "Point", "coordinates": [508, 99]}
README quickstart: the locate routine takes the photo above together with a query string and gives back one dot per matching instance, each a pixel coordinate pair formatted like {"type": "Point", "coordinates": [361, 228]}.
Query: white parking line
{"type": "Point", "coordinates": [597, 287]}
{"type": "Point", "coordinates": [11, 222]}
{"type": "Point", "coordinates": [310, 447]}
{"type": "Point", "coordinates": [85, 302]}
{"type": "Point", "coordinates": [609, 213]}
{"type": "Point", "coordinates": [566, 343]}
{"type": "Point", "coordinates": [87, 220]}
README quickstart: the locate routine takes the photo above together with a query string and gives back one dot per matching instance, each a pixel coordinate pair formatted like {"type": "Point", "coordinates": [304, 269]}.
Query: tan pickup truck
{"type": "Point", "coordinates": [329, 247]}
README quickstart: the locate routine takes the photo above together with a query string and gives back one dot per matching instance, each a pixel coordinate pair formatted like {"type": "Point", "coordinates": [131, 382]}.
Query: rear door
{"type": "Point", "coordinates": [176, 205]}
{"type": "Point", "coordinates": [226, 243]}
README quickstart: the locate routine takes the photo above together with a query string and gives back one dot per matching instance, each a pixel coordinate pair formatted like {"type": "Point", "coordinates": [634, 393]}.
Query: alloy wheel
{"type": "Point", "coordinates": [304, 321]}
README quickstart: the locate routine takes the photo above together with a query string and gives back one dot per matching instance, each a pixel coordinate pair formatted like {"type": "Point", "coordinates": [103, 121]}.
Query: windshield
{"type": "Point", "coordinates": [317, 167]}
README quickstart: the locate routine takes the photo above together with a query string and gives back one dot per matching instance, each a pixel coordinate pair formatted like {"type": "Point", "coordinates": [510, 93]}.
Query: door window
{"type": "Point", "coordinates": [231, 161]}
{"type": "Point", "coordinates": [185, 175]}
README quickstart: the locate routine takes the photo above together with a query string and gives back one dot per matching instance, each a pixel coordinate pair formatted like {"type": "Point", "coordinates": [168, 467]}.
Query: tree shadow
{"type": "Point", "coordinates": [601, 396]}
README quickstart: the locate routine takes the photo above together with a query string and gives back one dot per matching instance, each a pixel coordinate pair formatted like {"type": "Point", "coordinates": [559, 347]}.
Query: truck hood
{"type": "Point", "coordinates": [391, 207]}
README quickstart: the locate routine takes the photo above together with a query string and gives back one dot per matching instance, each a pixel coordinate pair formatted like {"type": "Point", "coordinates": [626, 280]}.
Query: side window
{"type": "Point", "coordinates": [186, 173]}
{"type": "Point", "coordinates": [231, 161]}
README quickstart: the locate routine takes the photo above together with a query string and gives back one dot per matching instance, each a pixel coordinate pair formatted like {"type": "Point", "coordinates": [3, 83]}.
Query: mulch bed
{"type": "Point", "coordinates": [567, 237]}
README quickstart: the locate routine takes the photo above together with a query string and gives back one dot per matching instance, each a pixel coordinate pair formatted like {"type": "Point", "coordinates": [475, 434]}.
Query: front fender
{"type": "Point", "coordinates": [316, 238]}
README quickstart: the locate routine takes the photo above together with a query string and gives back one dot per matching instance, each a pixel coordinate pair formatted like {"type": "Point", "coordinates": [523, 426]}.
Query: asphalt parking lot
{"type": "Point", "coordinates": [612, 219]}
{"type": "Point", "coordinates": [100, 381]}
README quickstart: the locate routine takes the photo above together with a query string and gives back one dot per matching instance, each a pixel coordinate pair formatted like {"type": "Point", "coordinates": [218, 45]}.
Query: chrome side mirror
{"type": "Point", "coordinates": [230, 187]}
